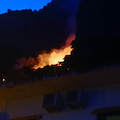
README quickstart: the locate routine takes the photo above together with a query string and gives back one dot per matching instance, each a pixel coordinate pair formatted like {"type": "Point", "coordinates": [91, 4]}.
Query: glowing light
{"type": "Point", "coordinates": [3, 79]}
{"type": "Point", "coordinates": [68, 68]}
{"type": "Point", "coordinates": [54, 57]}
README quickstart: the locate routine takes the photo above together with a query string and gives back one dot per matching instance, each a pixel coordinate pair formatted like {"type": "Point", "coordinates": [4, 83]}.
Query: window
{"type": "Point", "coordinates": [112, 113]}
{"type": "Point", "coordinates": [113, 117]}
{"type": "Point", "coordinates": [36, 117]}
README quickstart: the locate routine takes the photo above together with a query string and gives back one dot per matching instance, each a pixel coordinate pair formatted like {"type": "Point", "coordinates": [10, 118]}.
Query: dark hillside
{"type": "Point", "coordinates": [98, 33]}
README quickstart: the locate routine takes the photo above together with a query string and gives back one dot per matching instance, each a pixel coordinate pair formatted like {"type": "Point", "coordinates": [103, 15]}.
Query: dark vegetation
{"type": "Point", "coordinates": [30, 32]}
{"type": "Point", "coordinates": [98, 34]}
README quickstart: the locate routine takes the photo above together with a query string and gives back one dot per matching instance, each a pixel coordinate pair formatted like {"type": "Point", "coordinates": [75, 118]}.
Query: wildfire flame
{"type": "Point", "coordinates": [54, 57]}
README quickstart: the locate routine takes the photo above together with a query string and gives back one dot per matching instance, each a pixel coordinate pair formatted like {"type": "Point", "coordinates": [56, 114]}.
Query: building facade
{"type": "Point", "coordinates": [95, 93]}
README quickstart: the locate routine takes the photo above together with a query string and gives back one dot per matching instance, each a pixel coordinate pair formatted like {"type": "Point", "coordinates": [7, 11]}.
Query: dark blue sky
{"type": "Point", "coordinates": [22, 4]}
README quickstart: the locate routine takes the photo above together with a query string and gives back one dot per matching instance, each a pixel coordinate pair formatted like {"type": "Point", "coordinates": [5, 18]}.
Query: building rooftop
{"type": "Point", "coordinates": [100, 77]}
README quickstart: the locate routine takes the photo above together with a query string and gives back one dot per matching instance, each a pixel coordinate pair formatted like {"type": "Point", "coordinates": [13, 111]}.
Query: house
{"type": "Point", "coordinates": [92, 95]}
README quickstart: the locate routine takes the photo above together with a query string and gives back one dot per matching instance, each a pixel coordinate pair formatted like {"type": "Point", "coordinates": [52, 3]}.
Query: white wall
{"type": "Point", "coordinates": [96, 98]}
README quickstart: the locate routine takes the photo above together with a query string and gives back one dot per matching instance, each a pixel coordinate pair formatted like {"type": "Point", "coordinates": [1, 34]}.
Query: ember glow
{"type": "Point", "coordinates": [54, 57]}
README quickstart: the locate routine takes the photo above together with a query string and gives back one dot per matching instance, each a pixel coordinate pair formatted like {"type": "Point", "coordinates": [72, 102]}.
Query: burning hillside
{"type": "Point", "coordinates": [54, 57]}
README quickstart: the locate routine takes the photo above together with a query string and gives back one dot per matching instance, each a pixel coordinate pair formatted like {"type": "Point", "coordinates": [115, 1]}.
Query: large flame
{"type": "Point", "coordinates": [54, 57]}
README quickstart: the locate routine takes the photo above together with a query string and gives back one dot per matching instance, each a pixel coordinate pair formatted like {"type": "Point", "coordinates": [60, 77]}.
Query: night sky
{"type": "Point", "coordinates": [22, 4]}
